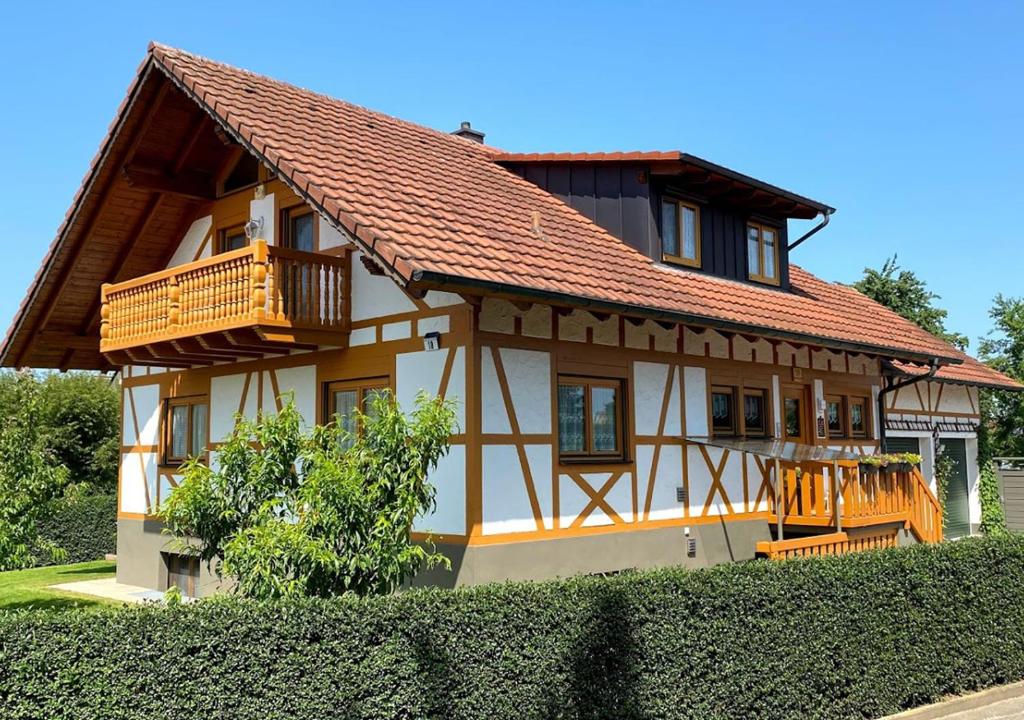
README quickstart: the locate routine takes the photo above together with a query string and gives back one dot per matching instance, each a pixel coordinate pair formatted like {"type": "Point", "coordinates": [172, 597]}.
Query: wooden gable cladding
{"type": "Point", "coordinates": [155, 170]}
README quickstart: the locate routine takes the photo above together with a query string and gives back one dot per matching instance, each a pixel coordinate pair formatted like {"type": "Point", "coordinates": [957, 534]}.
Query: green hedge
{"type": "Point", "coordinates": [86, 527]}
{"type": "Point", "coordinates": [850, 637]}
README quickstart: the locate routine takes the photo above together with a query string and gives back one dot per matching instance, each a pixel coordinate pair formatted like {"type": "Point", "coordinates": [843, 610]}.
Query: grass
{"type": "Point", "coordinates": [29, 588]}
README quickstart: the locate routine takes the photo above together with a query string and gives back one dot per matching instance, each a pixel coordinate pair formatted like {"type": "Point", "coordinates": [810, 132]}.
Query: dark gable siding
{"type": "Point", "coordinates": [620, 198]}
{"type": "Point", "coordinates": [616, 197]}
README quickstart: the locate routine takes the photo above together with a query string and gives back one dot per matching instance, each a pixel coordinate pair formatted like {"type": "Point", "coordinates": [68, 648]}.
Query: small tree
{"type": "Point", "coordinates": [290, 513]}
{"type": "Point", "coordinates": [907, 295]}
{"type": "Point", "coordinates": [30, 476]}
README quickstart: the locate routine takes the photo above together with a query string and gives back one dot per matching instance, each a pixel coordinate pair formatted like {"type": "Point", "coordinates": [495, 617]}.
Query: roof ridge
{"type": "Point", "coordinates": [489, 150]}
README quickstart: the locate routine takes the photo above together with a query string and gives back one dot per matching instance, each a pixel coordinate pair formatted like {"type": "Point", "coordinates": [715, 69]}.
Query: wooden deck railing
{"type": "Point", "coordinates": [258, 284]}
{"type": "Point", "coordinates": [811, 493]}
{"type": "Point", "coordinates": [925, 510]}
{"type": "Point", "coordinates": [830, 544]}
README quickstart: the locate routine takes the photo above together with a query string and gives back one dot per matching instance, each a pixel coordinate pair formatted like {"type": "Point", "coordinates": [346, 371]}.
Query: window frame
{"type": "Point", "coordinates": [287, 214]}
{"type": "Point", "coordinates": [680, 204]}
{"type": "Point", "coordinates": [361, 385]}
{"type": "Point", "coordinates": [766, 411]}
{"type": "Point", "coordinates": [222, 236]}
{"type": "Point", "coordinates": [864, 401]}
{"type": "Point", "coordinates": [760, 276]}
{"type": "Point", "coordinates": [732, 391]}
{"type": "Point", "coordinates": [167, 436]}
{"type": "Point", "coordinates": [588, 455]}
{"type": "Point", "coordinates": [844, 418]}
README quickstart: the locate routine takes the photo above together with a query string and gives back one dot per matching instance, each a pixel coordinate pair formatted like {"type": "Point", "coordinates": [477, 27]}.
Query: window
{"type": "Point", "coordinates": [182, 573]}
{"type": "Point", "coordinates": [858, 416]}
{"type": "Point", "coordinates": [723, 411]}
{"type": "Point", "coordinates": [344, 397]}
{"type": "Point", "coordinates": [755, 413]}
{"type": "Point", "coordinates": [186, 429]}
{"type": "Point", "coordinates": [298, 228]}
{"type": "Point", "coordinates": [763, 253]}
{"type": "Point", "coordinates": [835, 416]}
{"type": "Point", "coordinates": [846, 416]}
{"type": "Point", "coordinates": [590, 418]}
{"type": "Point", "coordinates": [230, 239]}
{"type": "Point", "coordinates": [793, 416]}
{"type": "Point", "coordinates": [680, 232]}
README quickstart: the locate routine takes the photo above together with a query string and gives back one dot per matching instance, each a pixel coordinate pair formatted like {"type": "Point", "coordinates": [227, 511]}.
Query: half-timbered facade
{"type": "Point", "coordinates": [641, 375]}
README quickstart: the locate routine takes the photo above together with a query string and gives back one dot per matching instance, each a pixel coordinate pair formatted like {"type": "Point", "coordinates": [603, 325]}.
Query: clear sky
{"type": "Point", "coordinates": [906, 116]}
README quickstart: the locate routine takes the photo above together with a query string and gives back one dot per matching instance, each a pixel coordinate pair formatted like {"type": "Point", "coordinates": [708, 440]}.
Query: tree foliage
{"type": "Point", "coordinates": [77, 416]}
{"type": "Point", "coordinates": [285, 512]}
{"type": "Point", "coordinates": [1003, 349]}
{"type": "Point", "coordinates": [903, 292]}
{"type": "Point", "coordinates": [30, 475]}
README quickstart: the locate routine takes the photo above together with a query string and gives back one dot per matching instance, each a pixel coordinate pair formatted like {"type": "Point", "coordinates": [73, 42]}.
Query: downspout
{"type": "Point", "coordinates": [827, 215]}
{"type": "Point", "coordinates": [932, 369]}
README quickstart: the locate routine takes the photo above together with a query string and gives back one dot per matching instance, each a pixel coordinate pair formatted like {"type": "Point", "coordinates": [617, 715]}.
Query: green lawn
{"type": "Point", "coordinates": [28, 588]}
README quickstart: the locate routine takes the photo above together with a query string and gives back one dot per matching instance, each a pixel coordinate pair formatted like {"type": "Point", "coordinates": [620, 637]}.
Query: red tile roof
{"type": "Point", "coordinates": [437, 207]}
{"type": "Point", "coordinates": [970, 372]}
{"type": "Point", "coordinates": [437, 210]}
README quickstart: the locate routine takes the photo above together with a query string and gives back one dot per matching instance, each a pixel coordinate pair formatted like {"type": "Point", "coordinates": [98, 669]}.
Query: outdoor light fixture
{"type": "Point", "coordinates": [432, 341]}
{"type": "Point", "coordinates": [253, 228]}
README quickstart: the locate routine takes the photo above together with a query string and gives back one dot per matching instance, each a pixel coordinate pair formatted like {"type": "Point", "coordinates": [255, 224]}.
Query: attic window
{"type": "Point", "coordinates": [763, 253]}
{"type": "Point", "coordinates": [680, 232]}
{"type": "Point", "coordinates": [245, 174]}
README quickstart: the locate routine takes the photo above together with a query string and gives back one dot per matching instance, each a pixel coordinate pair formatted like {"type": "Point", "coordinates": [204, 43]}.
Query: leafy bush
{"type": "Point", "coordinates": [856, 636]}
{"type": "Point", "coordinates": [85, 526]}
{"type": "Point", "coordinates": [285, 512]}
{"type": "Point", "coordinates": [77, 418]}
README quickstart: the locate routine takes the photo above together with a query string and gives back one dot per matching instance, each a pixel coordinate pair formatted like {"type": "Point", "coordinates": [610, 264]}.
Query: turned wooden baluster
{"type": "Point", "coordinates": [174, 303]}
{"type": "Point", "coordinates": [260, 256]}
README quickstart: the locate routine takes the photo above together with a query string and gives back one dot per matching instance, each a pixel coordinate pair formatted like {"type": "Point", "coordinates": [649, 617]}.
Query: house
{"type": "Point", "coordinates": [642, 375]}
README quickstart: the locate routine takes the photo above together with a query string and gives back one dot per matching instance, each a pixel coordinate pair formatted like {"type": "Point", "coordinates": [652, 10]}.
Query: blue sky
{"type": "Point", "coordinates": [905, 116]}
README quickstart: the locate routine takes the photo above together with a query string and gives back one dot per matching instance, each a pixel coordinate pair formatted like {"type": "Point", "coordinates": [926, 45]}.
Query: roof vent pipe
{"type": "Point", "coordinates": [466, 131]}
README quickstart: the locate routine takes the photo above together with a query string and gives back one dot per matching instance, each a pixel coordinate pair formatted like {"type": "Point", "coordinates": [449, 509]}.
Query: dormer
{"type": "Point", "coordinates": [678, 209]}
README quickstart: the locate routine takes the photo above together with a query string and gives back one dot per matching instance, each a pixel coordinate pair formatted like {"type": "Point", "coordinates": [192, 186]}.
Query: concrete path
{"type": "Point", "coordinates": [111, 589]}
{"type": "Point", "coordinates": [1001, 703]}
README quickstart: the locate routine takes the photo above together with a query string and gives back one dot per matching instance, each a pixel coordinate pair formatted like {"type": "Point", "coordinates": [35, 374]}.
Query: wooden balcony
{"type": "Point", "coordinates": [246, 303]}
{"type": "Point", "coordinates": [837, 495]}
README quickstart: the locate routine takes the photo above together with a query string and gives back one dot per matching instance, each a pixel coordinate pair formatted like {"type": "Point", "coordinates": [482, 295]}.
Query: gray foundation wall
{"type": "Point", "coordinates": [140, 562]}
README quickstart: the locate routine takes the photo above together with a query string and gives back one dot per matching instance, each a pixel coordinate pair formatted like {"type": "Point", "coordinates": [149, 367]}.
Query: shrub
{"type": "Point", "coordinates": [77, 417]}
{"type": "Point", "coordinates": [856, 636]}
{"type": "Point", "coordinates": [86, 527]}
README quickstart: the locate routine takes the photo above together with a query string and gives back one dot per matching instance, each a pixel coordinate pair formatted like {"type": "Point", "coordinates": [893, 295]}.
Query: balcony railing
{"type": "Point", "coordinates": [259, 287]}
{"type": "Point", "coordinates": [839, 495]}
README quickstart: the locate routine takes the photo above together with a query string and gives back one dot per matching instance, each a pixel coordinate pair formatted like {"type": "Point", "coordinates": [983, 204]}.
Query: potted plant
{"type": "Point", "coordinates": [871, 464]}
{"type": "Point", "coordinates": [904, 462]}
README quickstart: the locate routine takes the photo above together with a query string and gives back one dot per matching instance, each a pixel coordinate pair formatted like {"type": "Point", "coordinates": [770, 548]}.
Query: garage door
{"type": "Point", "coordinates": [958, 519]}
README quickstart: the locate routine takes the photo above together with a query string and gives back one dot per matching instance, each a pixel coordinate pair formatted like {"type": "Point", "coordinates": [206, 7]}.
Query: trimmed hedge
{"type": "Point", "coordinates": [86, 527]}
{"type": "Point", "coordinates": [849, 637]}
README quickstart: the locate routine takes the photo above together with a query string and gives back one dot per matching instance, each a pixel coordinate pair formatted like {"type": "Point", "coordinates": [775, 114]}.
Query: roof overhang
{"type": "Point", "coordinates": [431, 280]}
{"type": "Point", "coordinates": [691, 170]}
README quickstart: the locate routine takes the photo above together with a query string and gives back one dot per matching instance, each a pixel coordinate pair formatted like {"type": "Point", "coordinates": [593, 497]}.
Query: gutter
{"type": "Point", "coordinates": [932, 369]}
{"type": "Point", "coordinates": [442, 281]}
{"type": "Point", "coordinates": [820, 226]}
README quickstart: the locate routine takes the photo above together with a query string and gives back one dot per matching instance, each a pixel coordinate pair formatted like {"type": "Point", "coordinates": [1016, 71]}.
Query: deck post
{"type": "Point", "coordinates": [259, 279]}
{"type": "Point", "coordinates": [779, 501]}
{"type": "Point", "coordinates": [837, 496]}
